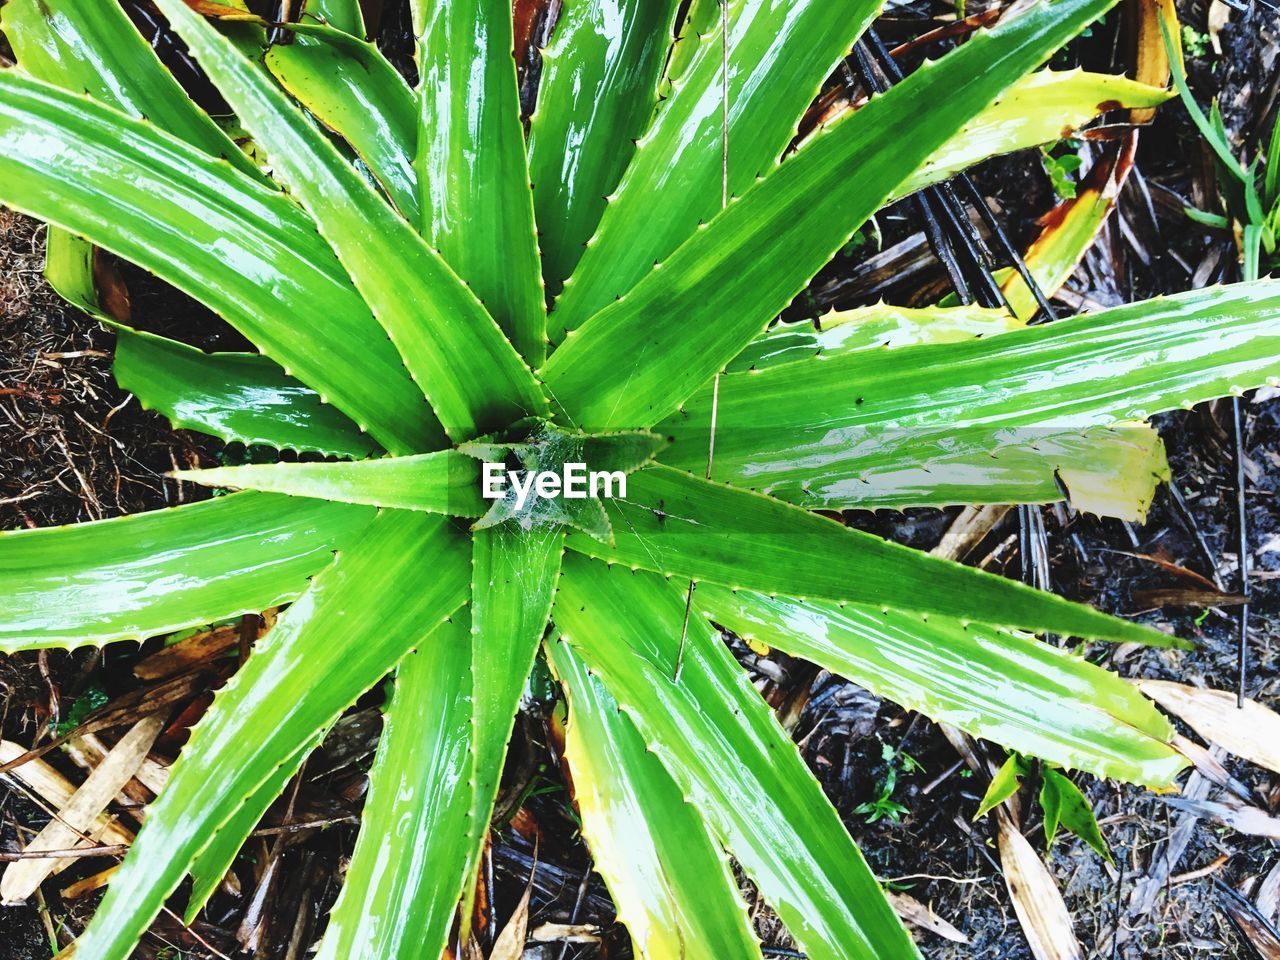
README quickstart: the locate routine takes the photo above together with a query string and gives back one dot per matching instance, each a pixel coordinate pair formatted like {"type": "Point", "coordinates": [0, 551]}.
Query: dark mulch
{"type": "Point", "coordinates": [72, 446]}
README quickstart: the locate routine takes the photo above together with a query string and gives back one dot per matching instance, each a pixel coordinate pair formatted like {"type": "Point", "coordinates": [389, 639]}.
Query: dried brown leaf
{"type": "Point", "coordinates": [1230, 812]}
{"type": "Point", "coordinates": [1254, 927]}
{"type": "Point", "coordinates": [510, 942]}
{"type": "Point", "coordinates": [920, 915]}
{"type": "Point", "coordinates": [55, 789]}
{"type": "Point", "coordinates": [1268, 898]}
{"type": "Point", "coordinates": [1251, 733]}
{"type": "Point", "coordinates": [188, 653]}
{"type": "Point", "coordinates": [1036, 899]}
{"type": "Point", "coordinates": [565, 933]}
{"type": "Point", "coordinates": [1209, 766]}
{"type": "Point", "coordinates": [970, 526]}
{"type": "Point", "coordinates": [90, 883]}
{"type": "Point", "coordinates": [1151, 60]}
{"type": "Point", "coordinates": [23, 877]}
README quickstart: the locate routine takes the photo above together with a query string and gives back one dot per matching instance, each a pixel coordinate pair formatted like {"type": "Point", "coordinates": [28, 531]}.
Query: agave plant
{"type": "Point", "coordinates": [382, 248]}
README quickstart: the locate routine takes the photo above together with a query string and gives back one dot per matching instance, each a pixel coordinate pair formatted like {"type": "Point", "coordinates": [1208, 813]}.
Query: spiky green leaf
{"type": "Point", "coordinates": [779, 55]}
{"type": "Point", "coordinates": [90, 46]}
{"type": "Point", "coordinates": [513, 581]}
{"type": "Point", "coordinates": [865, 328]}
{"type": "Point", "coordinates": [211, 865]}
{"type": "Point", "coordinates": [151, 573]}
{"type": "Point", "coordinates": [1042, 108]}
{"type": "Point", "coordinates": [473, 177]}
{"type": "Point", "coordinates": [719, 289]}
{"type": "Point", "coordinates": [240, 247]}
{"type": "Point", "coordinates": [809, 430]}
{"type": "Point", "coordinates": [401, 891]}
{"type": "Point", "coordinates": [1000, 686]}
{"type": "Point", "coordinates": [733, 762]}
{"type": "Point", "coordinates": [671, 881]}
{"type": "Point", "coordinates": [472, 376]}
{"type": "Point", "coordinates": [442, 482]}
{"type": "Point", "coordinates": [354, 623]}
{"type": "Point", "coordinates": [242, 397]}
{"type": "Point", "coordinates": [599, 89]}
{"type": "Point", "coordinates": [674, 523]}
{"type": "Point", "coordinates": [349, 86]}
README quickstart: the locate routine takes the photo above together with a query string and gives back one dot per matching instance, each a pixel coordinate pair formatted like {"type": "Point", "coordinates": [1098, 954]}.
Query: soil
{"type": "Point", "coordinates": [74, 448]}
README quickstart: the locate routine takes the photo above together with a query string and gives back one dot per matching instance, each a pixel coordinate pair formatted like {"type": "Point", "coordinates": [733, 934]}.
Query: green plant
{"type": "Point", "coordinates": [1060, 168]}
{"type": "Point", "coordinates": [1194, 42]}
{"type": "Point", "coordinates": [375, 354]}
{"type": "Point", "coordinates": [884, 807]}
{"type": "Point", "coordinates": [1061, 801]}
{"type": "Point", "coordinates": [1250, 192]}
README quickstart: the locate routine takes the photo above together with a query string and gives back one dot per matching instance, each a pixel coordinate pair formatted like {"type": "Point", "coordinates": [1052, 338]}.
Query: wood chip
{"type": "Point", "coordinates": [90, 751]}
{"type": "Point", "coordinates": [968, 529]}
{"type": "Point", "coordinates": [1146, 890]}
{"type": "Point", "coordinates": [1036, 899]}
{"type": "Point", "coordinates": [1255, 928]}
{"type": "Point", "coordinates": [1251, 733]}
{"type": "Point", "coordinates": [1218, 17]}
{"type": "Point", "coordinates": [89, 884]}
{"type": "Point", "coordinates": [22, 878]}
{"type": "Point", "coordinates": [919, 915]}
{"type": "Point", "coordinates": [1183, 597]}
{"type": "Point", "coordinates": [565, 933]}
{"type": "Point", "coordinates": [193, 651]}
{"type": "Point", "coordinates": [1230, 812]}
{"type": "Point", "coordinates": [1209, 766]}
{"type": "Point", "coordinates": [1268, 898]}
